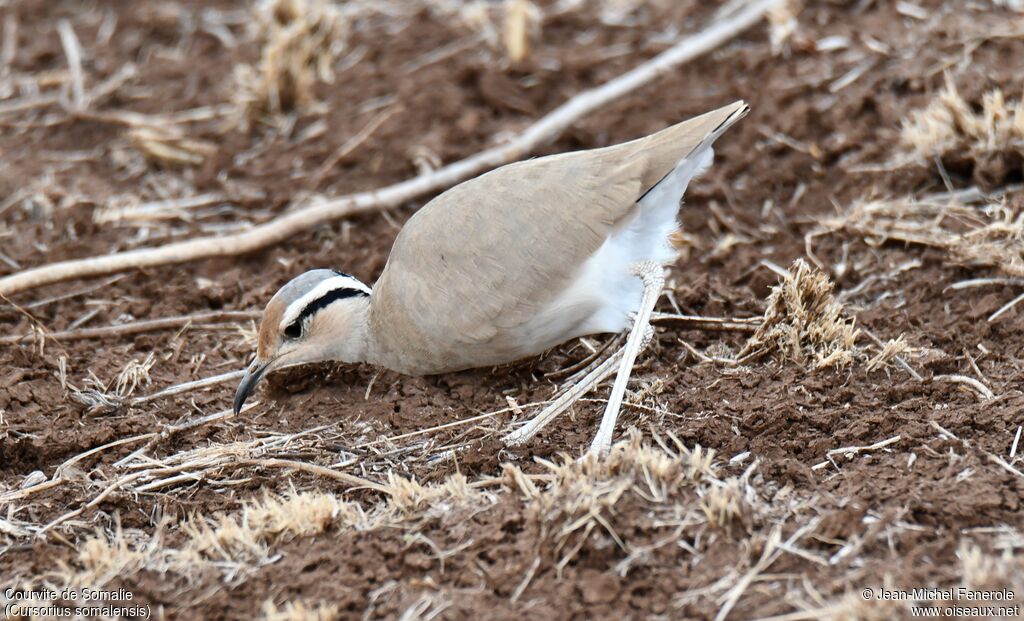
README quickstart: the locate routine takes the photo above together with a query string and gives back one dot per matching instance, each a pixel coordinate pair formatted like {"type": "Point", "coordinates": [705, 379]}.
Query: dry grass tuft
{"type": "Point", "coordinates": [725, 504]}
{"type": "Point", "coordinates": [890, 351]}
{"type": "Point", "coordinates": [986, 572]}
{"type": "Point", "coordinates": [268, 521]}
{"type": "Point", "coordinates": [237, 543]}
{"type": "Point", "coordinates": [104, 557]}
{"type": "Point", "coordinates": [988, 136]}
{"type": "Point", "coordinates": [300, 39]}
{"type": "Point", "coordinates": [630, 493]}
{"type": "Point", "coordinates": [804, 323]}
{"type": "Point", "coordinates": [299, 611]}
{"type": "Point", "coordinates": [986, 235]}
{"type": "Point", "coordinates": [979, 571]}
{"type": "Point", "coordinates": [853, 607]}
{"type": "Point", "coordinates": [100, 396]}
{"type": "Point", "coordinates": [409, 497]}
{"type": "Point", "coordinates": [300, 514]}
{"type": "Point", "coordinates": [222, 539]}
{"type": "Point", "coordinates": [134, 375]}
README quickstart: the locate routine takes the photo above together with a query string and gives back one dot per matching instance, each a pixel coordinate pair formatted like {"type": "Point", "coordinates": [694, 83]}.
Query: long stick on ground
{"type": "Point", "coordinates": [136, 327]}
{"type": "Point", "coordinates": [541, 132]}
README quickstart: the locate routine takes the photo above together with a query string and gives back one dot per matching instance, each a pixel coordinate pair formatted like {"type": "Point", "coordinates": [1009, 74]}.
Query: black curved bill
{"type": "Point", "coordinates": [252, 376]}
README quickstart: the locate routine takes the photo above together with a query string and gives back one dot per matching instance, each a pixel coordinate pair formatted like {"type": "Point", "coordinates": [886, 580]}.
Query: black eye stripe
{"type": "Point", "coordinates": [294, 329]}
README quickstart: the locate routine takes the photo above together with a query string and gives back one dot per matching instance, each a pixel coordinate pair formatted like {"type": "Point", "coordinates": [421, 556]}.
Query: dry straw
{"type": "Point", "coordinates": [300, 40]}
{"type": "Point", "coordinates": [950, 124]}
{"type": "Point", "coordinates": [299, 611]}
{"type": "Point", "coordinates": [989, 137]}
{"type": "Point", "coordinates": [971, 232]}
{"type": "Point", "coordinates": [804, 323]}
{"type": "Point", "coordinates": [671, 484]}
{"type": "Point", "coordinates": [521, 26]}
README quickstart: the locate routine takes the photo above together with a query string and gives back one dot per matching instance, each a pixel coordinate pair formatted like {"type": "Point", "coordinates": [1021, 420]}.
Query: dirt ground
{"type": "Point", "coordinates": [775, 522]}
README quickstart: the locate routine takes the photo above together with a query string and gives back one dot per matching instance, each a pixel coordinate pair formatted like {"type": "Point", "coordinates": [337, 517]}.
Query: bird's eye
{"type": "Point", "coordinates": [294, 330]}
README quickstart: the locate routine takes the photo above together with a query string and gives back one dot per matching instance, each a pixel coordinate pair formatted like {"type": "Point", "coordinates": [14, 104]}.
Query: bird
{"type": "Point", "coordinates": [506, 266]}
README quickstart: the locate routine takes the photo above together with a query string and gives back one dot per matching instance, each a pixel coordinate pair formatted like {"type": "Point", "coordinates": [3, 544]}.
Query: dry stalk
{"type": "Point", "coordinates": [169, 145]}
{"type": "Point", "coordinates": [159, 138]}
{"type": "Point", "coordinates": [146, 325]}
{"type": "Point", "coordinates": [521, 26]}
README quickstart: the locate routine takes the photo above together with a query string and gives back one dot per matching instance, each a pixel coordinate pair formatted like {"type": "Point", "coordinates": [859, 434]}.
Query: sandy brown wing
{"type": "Point", "coordinates": [487, 254]}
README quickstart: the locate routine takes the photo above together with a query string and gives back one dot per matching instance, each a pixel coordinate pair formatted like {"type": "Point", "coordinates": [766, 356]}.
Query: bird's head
{"type": "Point", "coordinates": [319, 315]}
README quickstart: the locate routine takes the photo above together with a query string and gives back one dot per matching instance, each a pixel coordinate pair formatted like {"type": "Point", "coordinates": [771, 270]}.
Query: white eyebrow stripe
{"type": "Point", "coordinates": [337, 282]}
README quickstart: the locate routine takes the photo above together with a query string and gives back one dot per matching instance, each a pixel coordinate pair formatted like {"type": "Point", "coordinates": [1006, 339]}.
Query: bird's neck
{"type": "Point", "coordinates": [389, 339]}
{"type": "Point", "coordinates": [351, 323]}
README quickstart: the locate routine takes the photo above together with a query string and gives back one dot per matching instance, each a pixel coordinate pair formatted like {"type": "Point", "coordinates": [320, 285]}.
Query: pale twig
{"type": "Point", "coordinates": [319, 471]}
{"type": "Point", "coordinates": [175, 429]}
{"type": "Point", "coordinates": [160, 210]}
{"type": "Point", "coordinates": [168, 482]}
{"type": "Point", "coordinates": [443, 53]}
{"type": "Point", "coordinates": [135, 327]}
{"type": "Point", "coordinates": [209, 459]}
{"type": "Point", "coordinates": [1002, 462]}
{"type": "Point", "coordinates": [353, 143]}
{"type": "Point", "coordinates": [58, 473]}
{"type": "Point", "coordinates": [188, 386]}
{"type": "Point", "coordinates": [945, 432]}
{"type": "Point", "coordinates": [772, 551]}
{"type": "Point", "coordinates": [110, 489]}
{"type": "Point", "coordinates": [293, 222]}
{"type": "Point", "coordinates": [457, 423]}
{"type": "Point", "coordinates": [985, 282]}
{"type": "Point", "coordinates": [976, 368]}
{"type": "Point", "coordinates": [699, 355]}
{"type": "Point", "coordinates": [526, 579]}
{"type": "Point", "coordinates": [980, 388]}
{"type": "Point", "coordinates": [28, 103]}
{"type": "Point", "coordinates": [73, 52]}
{"type": "Point", "coordinates": [708, 324]}
{"type": "Point", "coordinates": [1006, 307]}
{"type": "Point", "coordinates": [850, 451]}
{"type": "Point", "coordinates": [74, 294]}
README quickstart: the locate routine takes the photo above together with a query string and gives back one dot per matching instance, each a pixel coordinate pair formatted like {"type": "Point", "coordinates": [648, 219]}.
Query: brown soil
{"type": "Point", "coordinates": [909, 507]}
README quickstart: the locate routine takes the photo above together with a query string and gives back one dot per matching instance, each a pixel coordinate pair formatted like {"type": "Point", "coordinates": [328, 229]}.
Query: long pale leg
{"type": "Point", "coordinates": [564, 401]}
{"type": "Point", "coordinates": [653, 277]}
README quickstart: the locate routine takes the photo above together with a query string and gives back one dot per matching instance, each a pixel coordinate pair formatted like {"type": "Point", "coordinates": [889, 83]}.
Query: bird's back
{"type": "Point", "coordinates": [479, 275]}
